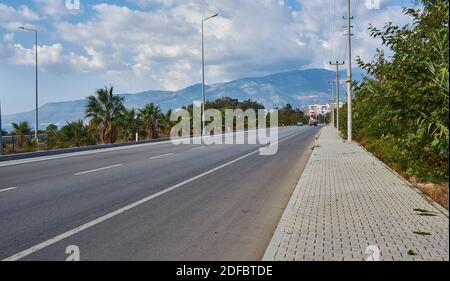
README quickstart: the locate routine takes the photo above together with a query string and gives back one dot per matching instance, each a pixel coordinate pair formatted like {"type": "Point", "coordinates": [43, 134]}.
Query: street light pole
{"type": "Point", "coordinates": [203, 72]}
{"type": "Point", "coordinates": [36, 116]}
{"type": "Point", "coordinates": [332, 83]}
{"type": "Point", "coordinates": [337, 64]}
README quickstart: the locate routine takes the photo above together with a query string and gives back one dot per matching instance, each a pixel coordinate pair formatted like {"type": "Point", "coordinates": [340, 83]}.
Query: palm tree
{"type": "Point", "coordinates": [51, 128]}
{"type": "Point", "coordinates": [166, 124]}
{"type": "Point", "coordinates": [52, 133]}
{"type": "Point", "coordinates": [76, 133]}
{"type": "Point", "coordinates": [105, 111]}
{"type": "Point", "coordinates": [21, 130]}
{"type": "Point", "coordinates": [130, 124]}
{"type": "Point", "coordinates": [150, 117]}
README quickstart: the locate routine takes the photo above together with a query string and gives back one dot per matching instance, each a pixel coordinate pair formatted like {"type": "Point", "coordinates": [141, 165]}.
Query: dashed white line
{"type": "Point", "coordinates": [197, 148]}
{"type": "Point", "coordinates": [7, 189]}
{"type": "Point", "coordinates": [161, 156]}
{"type": "Point", "coordinates": [96, 170]}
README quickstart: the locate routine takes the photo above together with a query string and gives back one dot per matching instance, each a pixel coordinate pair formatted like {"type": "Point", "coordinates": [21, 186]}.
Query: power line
{"type": "Point", "coordinates": [333, 30]}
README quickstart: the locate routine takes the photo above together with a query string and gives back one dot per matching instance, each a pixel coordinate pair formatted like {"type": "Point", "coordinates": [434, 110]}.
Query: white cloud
{"type": "Point", "coordinates": [11, 18]}
{"type": "Point", "coordinates": [95, 61]}
{"type": "Point", "coordinates": [52, 58]}
{"type": "Point", "coordinates": [150, 3]}
{"type": "Point", "coordinates": [48, 55]}
{"type": "Point", "coordinates": [160, 47]}
{"type": "Point", "coordinates": [55, 8]}
{"type": "Point", "coordinates": [8, 37]}
{"type": "Point", "coordinates": [246, 39]}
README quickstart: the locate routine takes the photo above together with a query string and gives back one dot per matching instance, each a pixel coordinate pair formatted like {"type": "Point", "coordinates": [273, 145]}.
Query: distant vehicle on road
{"type": "Point", "coordinates": [312, 122]}
{"type": "Point", "coordinates": [299, 124]}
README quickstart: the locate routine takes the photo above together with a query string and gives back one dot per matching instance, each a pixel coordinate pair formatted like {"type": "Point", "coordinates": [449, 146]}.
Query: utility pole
{"type": "Point", "coordinates": [337, 64]}
{"type": "Point", "coordinates": [332, 83]}
{"type": "Point", "coordinates": [349, 73]}
{"type": "Point", "coordinates": [36, 116]}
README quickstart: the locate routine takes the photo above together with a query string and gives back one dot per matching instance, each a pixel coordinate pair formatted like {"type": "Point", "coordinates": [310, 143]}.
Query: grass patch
{"type": "Point", "coordinates": [423, 233]}
{"type": "Point", "coordinates": [427, 214]}
{"type": "Point", "coordinates": [421, 210]}
{"type": "Point", "coordinates": [411, 253]}
{"type": "Point", "coordinates": [437, 192]}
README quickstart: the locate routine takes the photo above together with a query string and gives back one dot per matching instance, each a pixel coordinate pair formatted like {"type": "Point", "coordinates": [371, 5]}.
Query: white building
{"type": "Point", "coordinates": [322, 109]}
{"type": "Point", "coordinates": [319, 109]}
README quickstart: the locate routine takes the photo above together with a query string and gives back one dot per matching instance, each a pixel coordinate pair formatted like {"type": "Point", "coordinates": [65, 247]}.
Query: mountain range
{"type": "Point", "coordinates": [298, 88]}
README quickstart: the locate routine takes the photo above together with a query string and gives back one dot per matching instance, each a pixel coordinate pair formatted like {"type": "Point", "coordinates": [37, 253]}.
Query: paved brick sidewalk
{"type": "Point", "coordinates": [346, 200]}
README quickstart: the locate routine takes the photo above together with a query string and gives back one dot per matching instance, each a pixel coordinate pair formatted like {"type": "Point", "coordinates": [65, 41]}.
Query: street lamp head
{"type": "Point", "coordinates": [213, 16]}
{"type": "Point", "coordinates": [27, 28]}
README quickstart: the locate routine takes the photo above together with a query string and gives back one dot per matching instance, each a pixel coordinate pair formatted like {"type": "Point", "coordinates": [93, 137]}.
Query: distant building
{"type": "Point", "coordinates": [322, 109]}
{"type": "Point", "coordinates": [319, 109]}
{"type": "Point", "coordinates": [304, 109]}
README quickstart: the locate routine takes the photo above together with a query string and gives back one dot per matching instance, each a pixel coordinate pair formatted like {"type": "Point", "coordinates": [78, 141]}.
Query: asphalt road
{"type": "Point", "coordinates": [151, 202]}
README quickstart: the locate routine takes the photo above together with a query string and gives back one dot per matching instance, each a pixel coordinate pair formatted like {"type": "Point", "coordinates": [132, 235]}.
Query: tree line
{"type": "Point", "coordinates": [109, 121]}
{"type": "Point", "coordinates": [401, 107]}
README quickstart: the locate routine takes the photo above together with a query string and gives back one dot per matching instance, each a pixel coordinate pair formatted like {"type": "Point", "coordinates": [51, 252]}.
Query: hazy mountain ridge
{"type": "Point", "coordinates": [298, 87]}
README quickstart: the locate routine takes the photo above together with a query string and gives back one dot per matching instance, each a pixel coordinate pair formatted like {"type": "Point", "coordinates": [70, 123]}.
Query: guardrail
{"type": "Point", "coordinates": [13, 138]}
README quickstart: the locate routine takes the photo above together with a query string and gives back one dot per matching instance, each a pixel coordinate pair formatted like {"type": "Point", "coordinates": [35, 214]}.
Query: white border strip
{"type": "Point", "coordinates": [96, 170]}
{"type": "Point", "coordinates": [161, 156]}
{"type": "Point", "coordinates": [7, 189]}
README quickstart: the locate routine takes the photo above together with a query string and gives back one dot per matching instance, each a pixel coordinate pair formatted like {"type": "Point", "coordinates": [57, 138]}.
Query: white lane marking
{"type": "Point", "coordinates": [277, 142]}
{"type": "Point", "coordinates": [7, 189]}
{"type": "Point", "coordinates": [96, 170]}
{"type": "Point", "coordinates": [197, 148]}
{"type": "Point", "coordinates": [160, 156]}
{"type": "Point", "coordinates": [94, 222]}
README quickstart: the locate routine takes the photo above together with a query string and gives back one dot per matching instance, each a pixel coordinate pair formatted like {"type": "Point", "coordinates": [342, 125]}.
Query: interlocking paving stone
{"type": "Point", "coordinates": [347, 200]}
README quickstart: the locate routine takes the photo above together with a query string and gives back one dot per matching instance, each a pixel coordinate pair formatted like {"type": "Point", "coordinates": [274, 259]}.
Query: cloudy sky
{"type": "Point", "coordinates": [138, 45]}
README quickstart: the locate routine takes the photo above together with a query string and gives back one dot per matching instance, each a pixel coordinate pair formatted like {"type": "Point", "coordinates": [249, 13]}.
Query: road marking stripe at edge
{"type": "Point", "coordinates": [7, 189]}
{"type": "Point", "coordinates": [160, 156]}
{"type": "Point", "coordinates": [197, 148]}
{"type": "Point", "coordinates": [96, 170]}
{"type": "Point", "coordinates": [94, 222]}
